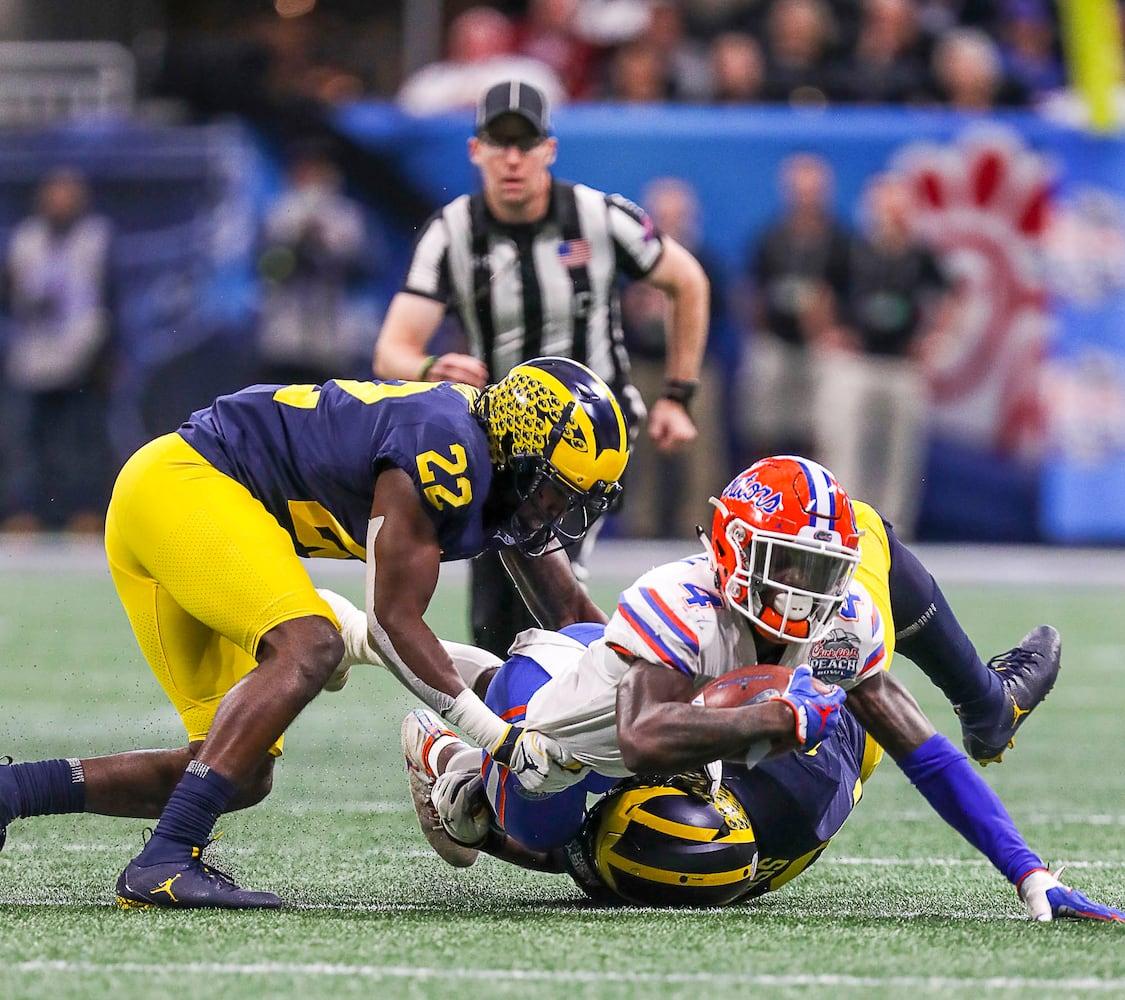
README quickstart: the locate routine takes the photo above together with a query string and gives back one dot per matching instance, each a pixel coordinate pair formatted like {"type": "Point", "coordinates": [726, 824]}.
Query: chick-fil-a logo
{"type": "Point", "coordinates": [983, 203]}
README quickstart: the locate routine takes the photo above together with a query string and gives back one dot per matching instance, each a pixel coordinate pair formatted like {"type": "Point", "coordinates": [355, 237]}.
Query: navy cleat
{"type": "Point", "coordinates": [187, 885]}
{"type": "Point", "coordinates": [1026, 674]}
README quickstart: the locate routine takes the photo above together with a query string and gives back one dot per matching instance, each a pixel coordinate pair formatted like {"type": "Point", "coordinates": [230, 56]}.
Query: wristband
{"type": "Point", "coordinates": [426, 366]}
{"type": "Point", "coordinates": [506, 746]}
{"type": "Point", "coordinates": [680, 390]}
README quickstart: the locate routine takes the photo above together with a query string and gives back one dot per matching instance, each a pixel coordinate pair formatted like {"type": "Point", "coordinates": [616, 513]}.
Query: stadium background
{"type": "Point", "coordinates": [182, 132]}
{"type": "Point", "coordinates": [183, 142]}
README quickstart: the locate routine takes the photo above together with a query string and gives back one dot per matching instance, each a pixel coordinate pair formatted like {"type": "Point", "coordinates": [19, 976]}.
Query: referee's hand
{"type": "Point", "coordinates": [670, 426]}
{"type": "Point", "coordinates": [458, 368]}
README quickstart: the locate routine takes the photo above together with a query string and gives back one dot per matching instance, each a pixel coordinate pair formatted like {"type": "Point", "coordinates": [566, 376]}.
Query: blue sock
{"type": "Point", "coordinates": [928, 633]}
{"type": "Point", "coordinates": [42, 788]}
{"type": "Point", "coordinates": [189, 817]}
{"type": "Point", "coordinates": [962, 798]}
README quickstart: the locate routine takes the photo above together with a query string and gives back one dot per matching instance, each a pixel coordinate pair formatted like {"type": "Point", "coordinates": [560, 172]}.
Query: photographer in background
{"type": "Point", "coordinates": [314, 247]}
{"type": "Point", "coordinates": [56, 440]}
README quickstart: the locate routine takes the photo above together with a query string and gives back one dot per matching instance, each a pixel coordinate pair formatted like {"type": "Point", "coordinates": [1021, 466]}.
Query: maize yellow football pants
{"type": "Point", "coordinates": [203, 571]}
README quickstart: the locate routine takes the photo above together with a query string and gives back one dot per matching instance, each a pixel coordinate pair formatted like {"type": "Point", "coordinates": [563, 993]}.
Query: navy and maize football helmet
{"type": "Point", "coordinates": [559, 443]}
{"type": "Point", "coordinates": [671, 844]}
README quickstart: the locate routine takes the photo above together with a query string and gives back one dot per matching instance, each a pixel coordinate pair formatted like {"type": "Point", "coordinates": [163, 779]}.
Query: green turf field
{"type": "Point", "coordinates": [898, 906]}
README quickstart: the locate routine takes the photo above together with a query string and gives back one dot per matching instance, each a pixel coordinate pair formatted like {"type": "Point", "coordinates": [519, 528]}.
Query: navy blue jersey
{"type": "Point", "coordinates": [797, 802]}
{"type": "Point", "coordinates": [311, 455]}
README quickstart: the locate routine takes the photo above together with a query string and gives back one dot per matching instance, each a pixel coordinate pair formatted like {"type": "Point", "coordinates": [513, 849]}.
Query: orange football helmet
{"type": "Point", "coordinates": [785, 546]}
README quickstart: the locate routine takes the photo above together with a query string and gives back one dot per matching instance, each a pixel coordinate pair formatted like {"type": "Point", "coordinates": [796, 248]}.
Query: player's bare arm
{"type": "Point", "coordinates": [658, 729]}
{"type": "Point", "coordinates": [890, 714]}
{"type": "Point", "coordinates": [409, 559]}
{"type": "Point", "coordinates": [550, 589]}
{"type": "Point", "coordinates": [400, 351]}
{"type": "Point", "coordinates": [682, 278]}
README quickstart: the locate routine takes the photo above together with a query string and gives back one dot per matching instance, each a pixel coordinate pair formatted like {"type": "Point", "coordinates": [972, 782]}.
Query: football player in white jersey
{"type": "Point", "coordinates": [795, 573]}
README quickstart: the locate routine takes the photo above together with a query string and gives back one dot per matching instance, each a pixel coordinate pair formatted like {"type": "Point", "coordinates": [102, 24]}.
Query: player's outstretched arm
{"type": "Point", "coordinates": [947, 780]}
{"type": "Point", "coordinates": [403, 546]}
{"type": "Point", "coordinates": [550, 589]}
{"type": "Point", "coordinates": [474, 665]}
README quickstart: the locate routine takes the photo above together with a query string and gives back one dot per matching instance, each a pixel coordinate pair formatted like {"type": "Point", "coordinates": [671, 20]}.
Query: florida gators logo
{"type": "Point", "coordinates": [750, 490]}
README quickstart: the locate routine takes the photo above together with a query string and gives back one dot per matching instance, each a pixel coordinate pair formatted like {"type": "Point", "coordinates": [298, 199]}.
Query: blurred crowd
{"type": "Point", "coordinates": [959, 53]}
{"type": "Point", "coordinates": [869, 301]}
{"type": "Point", "coordinates": [812, 301]}
{"type": "Point", "coordinates": [61, 357]}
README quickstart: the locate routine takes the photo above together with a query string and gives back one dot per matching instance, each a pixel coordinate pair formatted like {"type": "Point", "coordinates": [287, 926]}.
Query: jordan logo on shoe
{"type": "Point", "coordinates": [166, 886]}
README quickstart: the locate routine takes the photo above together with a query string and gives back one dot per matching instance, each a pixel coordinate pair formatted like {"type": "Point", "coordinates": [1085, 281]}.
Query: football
{"type": "Point", "coordinates": [743, 686]}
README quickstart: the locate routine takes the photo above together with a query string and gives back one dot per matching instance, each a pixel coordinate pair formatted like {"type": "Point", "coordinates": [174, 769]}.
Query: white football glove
{"type": "Point", "coordinates": [1033, 892]}
{"type": "Point", "coordinates": [462, 806]}
{"type": "Point", "coordinates": [539, 763]}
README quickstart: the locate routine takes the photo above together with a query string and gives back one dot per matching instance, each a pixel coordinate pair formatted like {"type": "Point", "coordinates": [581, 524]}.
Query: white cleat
{"type": "Point", "coordinates": [422, 735]}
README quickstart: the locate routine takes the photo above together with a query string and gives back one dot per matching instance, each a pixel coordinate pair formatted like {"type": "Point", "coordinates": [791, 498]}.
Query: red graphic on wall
{"type": "Point", "coordinates": [983, 204]}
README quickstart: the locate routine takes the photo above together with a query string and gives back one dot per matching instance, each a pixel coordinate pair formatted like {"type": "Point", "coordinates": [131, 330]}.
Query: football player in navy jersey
{"type": "Point", "coordinates": [204, 537]}
{"type": "Point", "coordinates": [785, 580]}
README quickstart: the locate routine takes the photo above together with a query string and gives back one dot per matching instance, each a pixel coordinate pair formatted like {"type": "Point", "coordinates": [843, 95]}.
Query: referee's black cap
{"type": "Point", "coordinates": [515, 97]}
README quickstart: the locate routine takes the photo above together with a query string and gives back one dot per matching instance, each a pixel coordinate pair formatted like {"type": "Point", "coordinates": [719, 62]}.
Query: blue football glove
{"type": "Point", "coordinates": [1047, 898]}
{"type": "Point", "coordinates": [816, 714]}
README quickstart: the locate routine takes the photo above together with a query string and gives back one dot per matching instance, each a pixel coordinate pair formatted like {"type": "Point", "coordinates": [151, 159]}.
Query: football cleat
{"type": "Point", "coordinates": [421, 732]}
{"type": "Point", "coordinates": [1067, 902]}
{"type": "Point", "coordinates": [1046, 899]}
{"type": "Point", "coordinates": [1027, 673]}
{"type": "Point", "coordinates": [187, 885]}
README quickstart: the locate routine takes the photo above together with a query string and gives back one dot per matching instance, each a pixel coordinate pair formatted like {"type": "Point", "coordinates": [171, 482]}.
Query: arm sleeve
{"type": "Point", "coordinates": [962, 798]}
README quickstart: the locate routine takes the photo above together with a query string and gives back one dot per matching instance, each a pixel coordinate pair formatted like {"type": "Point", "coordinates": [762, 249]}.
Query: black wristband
{"type": "Point", "coordinates": [502, 752]}
{"type": "Point", "coordinates": [679, 390]}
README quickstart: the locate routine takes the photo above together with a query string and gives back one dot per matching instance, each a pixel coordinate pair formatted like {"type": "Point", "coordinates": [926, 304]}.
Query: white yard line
{"type": "Point", "coordinates": [325, 969]}
{"type": "Point", "coordinates": [250, 850]}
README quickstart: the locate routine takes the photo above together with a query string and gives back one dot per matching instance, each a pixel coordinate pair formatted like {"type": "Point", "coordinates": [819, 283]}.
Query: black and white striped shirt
{"type": "Point", "coordinates": [544, 288]}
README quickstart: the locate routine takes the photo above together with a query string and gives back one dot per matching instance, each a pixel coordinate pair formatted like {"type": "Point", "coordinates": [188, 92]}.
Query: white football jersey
{"type": "Point", "coordinates": [674, 616]}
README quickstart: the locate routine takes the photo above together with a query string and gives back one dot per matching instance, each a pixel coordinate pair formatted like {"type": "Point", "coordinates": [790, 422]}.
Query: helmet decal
{"type": "Point", "coordinates": [785, 546]}
{"type": "Point", "coordinates": [553, 420]}
{"type": "Point", "coordinates": [753, 492]}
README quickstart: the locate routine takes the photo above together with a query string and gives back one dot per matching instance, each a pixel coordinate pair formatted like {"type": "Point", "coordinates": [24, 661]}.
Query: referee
{"type": "Point", "coordinates": [530, 266]}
